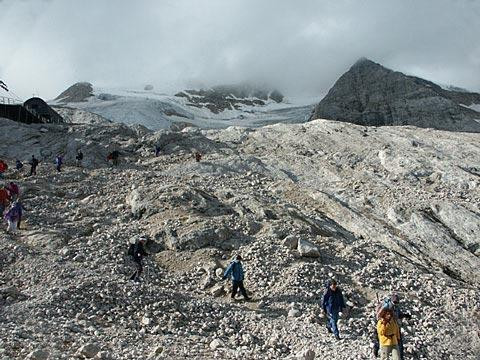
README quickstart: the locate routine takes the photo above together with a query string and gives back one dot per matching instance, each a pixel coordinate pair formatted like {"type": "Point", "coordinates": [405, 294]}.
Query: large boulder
{"type": "Point", "coordinates": [307, 249]}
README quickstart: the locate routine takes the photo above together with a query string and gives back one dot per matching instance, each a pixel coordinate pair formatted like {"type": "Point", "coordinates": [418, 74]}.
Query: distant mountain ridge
{"type": "Point", "coordinates": [216, 107]}
{"type": "Point", "coordinates": [230, 97]}
{"type": "Point", "coordinates": [370, 94]}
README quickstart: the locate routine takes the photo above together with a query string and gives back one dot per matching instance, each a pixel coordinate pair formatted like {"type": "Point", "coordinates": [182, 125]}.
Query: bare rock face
{"type": "Point", "coordinates": [370, 94]}
{"type": "Point", "coordinates": [230, 97]}
{"type": "Point", "coordinates": [78, 92]}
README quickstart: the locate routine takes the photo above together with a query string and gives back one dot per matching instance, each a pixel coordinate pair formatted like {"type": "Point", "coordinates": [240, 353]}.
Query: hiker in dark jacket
{"type": "Point", "coordinates": [198, 156]}
{"type": "Point", "coordinates": [333, 303]}
{"type": "Point", "coordinates": [157, 150]}
{"type": "Point", "coordinates": [79, 158]}
{"type": "Point", "coordinates": [137, 252]}
{"type": "Point", "coordinates": [33, 165]}
{"type": "Point", "coordinates": [59, 162]}
{"type": "Point", "coordinates": [114, 156]}
{"type": "Point", "coordinates": [18, 165]}
{"type": "Point", "coordinates": [235, 272]}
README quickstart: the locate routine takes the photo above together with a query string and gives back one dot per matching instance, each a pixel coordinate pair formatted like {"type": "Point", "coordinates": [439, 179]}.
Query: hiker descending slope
{"type": "Point", "coordinates": [59, 162]}
{"type": "Point", "coordinates": [13, 191]}
{"type": "Point", "coordinates": [391, 303]}
{"type": "Point", "coordinates": [18, 165]}
{"type": "Point", "coordinates": [114, 156]}
{"type": "Point", "coordinates": [137, 252]}
{"type": "Point", "coordinates": [3, 168]}
{"type": "Point", "coordinates": [14, 216]}
{"type": "Point", "coordinates": [157, 150]}
{"type": "Point", "coordinates": [33, 165]}
{"type": "Point", "coordinates": [333, 303]}
{"type": "Point", "coordinates": [388, 335]}
{"type": "Point", "coordinates": [198, 156]}
{"type": "Point", "coordinates": [4, 199]}
{"type": "Point", "coordinates": [235, 272]}
{"type": "Point", "coordinates": [79, 158]}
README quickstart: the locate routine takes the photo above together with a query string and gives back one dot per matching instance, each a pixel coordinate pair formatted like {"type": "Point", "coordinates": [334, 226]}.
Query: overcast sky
{"type": "Point", "coordinates": [300, 46]}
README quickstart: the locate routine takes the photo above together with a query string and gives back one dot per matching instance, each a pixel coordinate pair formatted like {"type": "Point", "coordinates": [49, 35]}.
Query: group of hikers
{"type": "Point", "coordinates": [388, 341]}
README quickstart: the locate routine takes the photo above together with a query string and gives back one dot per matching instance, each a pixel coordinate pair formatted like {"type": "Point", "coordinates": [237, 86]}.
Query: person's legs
{"type": "Point", "coordinates": [138, 271]}
{"type": "Point", "coordinates": [376, 344]}
{"type": "Point", "coordinates": [12, 226]}
{"type": "Point", "coordinates": [234, 288]}
{"type": "Point", "coordinates": [384, 352]}
{"type": "Point", "coordinates": [242, 290]}
{"type": "Point", "coordinates": [400, 346]}
{"type": "Point", "coordinates": [395, 352]}
{"type": "Point", "coordinates": [333, 317]}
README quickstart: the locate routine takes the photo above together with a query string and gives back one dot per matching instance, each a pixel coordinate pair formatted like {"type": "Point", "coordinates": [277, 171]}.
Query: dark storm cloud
{"type": "Point", "coordinates": [299, 46]}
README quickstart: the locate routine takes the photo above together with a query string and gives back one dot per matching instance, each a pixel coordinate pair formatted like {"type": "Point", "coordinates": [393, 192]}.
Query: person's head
{"type": "Point", "coordinates": [386, 315]}
{"type": "Point", "coordinates": [238, 257]}
{"type": "Point", "coordinates": [395, 299]}
{"type": "Point", "coordinates": [333, 284]}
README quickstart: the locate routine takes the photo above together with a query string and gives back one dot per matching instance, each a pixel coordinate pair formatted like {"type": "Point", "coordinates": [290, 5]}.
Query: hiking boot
{"type": "Point", "coordinates": [328, 329]}
{"type": "Point", "coordinates": [338, 337]}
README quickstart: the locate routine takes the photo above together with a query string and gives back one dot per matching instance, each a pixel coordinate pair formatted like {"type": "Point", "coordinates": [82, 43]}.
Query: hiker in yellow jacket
{"type": "Point", "coordinates": [388, 335]}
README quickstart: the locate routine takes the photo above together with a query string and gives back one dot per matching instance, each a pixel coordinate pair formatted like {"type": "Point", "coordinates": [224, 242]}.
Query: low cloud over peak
{"type": "Point", "coordinates": [298, 47]}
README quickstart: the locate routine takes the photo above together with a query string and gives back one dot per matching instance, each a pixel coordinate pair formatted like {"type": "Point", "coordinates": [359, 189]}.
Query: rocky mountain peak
{"type": "Point", "coordinates": [78, 92]}
{"type": "Point", "coordinates": [370, 94]}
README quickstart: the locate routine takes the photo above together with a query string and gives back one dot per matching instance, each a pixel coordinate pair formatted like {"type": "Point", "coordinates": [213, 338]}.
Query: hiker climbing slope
{"type": "Point", "coordinates": [79, 158]}
{"type": "Point", "coordinates": [137, 252]}
{"type": "Point", "coordinates": [388, 335]}
{"type": "Point", "coordinates": [3, 168]}
{"type": "Point", "coordinates": [114, 156]}
{"type": "Point", "coordinates": [59, 162]}
{"type": "Point", "coordinates": [33, 165]}
{"type": "Point", "coordinates": [236, 273]}
{"type": "Point", "coordinates": [333, 303]}
{"type": "Point", "coordinates": [18, 165]}
{"type": "Point", "coordinates": [13, 191]}
{"type": "Point", "coordinates": [14, 216]}
{"type": "Point", "coordinates": [4, 200]}
{"type": "Point", "coordinates": [391, 303]}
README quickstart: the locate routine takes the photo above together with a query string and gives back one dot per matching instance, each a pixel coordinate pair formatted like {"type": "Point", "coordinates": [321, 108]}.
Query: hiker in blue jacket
{"type": "Point", "coordinates": [235, 271]}
{"type": "Point", "coordinates": [333, 303]}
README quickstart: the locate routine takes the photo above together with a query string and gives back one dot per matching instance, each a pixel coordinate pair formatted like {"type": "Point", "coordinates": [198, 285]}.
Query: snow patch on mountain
{"type": "Point", "coordinates": [157, 110]}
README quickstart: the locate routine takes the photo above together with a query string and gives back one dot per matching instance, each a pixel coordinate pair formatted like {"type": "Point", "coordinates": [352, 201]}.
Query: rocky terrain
{"type": "Point", "coordinates": [381, 209]}
{"type": "Point", "coordinates": [370, 94]}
